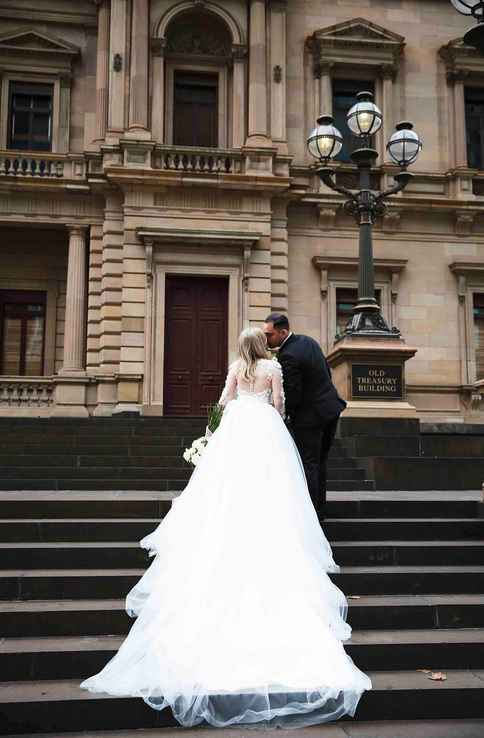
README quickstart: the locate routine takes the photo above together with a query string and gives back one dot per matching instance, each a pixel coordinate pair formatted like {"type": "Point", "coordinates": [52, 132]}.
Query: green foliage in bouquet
{"type": "Point", "coordinates": [214, 416]}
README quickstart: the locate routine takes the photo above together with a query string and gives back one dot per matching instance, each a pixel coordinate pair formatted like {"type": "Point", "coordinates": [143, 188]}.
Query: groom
{"type": "Point", "coordinates": [313, 405]}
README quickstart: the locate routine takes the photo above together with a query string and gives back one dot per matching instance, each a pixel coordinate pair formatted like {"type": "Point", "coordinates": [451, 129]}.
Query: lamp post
{"type": "Point", "coordinates": [475, 35]}
{"type": "Point", "coordinates": [325, 142]}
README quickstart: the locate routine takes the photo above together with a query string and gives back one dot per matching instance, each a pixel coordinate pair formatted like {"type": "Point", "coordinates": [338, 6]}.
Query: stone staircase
{"type": "Point", "coordinates": [120, 453]}
{"type": "Point", "coordinates": [413, 570]}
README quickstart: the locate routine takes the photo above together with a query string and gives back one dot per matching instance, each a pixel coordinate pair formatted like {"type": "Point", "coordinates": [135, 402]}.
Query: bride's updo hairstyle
{"type": "Point", "coordinates": [252, 346]}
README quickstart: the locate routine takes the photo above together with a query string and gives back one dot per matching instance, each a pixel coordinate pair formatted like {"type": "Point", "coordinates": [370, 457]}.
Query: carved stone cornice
{"type": "Point", "coordinates": [357, 41]}
{"type": "Point", "coordinates": [325, 264]}
{"type": "Point", "coordinates": [461, 61]}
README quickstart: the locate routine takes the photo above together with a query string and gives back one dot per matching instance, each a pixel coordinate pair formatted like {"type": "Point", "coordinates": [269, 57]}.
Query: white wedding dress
{"type": "Point", "coordinates": [237, 619]}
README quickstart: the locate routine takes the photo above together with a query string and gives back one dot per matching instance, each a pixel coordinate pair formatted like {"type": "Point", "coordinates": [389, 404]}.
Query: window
{"type": "Point", "coordinates": [344, 97]}
{"type": "Point", "coordinates": [474, 110]}
{"type": "Point", "coordinates": [195, 109]}
{"type": "Point", "coordinates": [22, 332]}
{"type": "Point", "coordinates": [346, 298]}
{"type": "Point", "coordinates": [30, 116]}
{"type": "Point", "coordinates": [478, 310]}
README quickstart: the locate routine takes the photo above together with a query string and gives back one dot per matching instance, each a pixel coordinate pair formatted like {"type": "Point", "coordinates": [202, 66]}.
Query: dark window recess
{"type": "Point", "coordinates": [344, 97]}
{"type": "Point", "coordinates": [346, 298]}
{"type": "Point", "coordinates": [474, 106]}
{"type": "Point", "coordinates": [30, 116]}
{"type": "Point", "coordinates": [478, 306]}
{"type": "Point", "coordinates": [195, 110]}
{"type": "Point", "coordinates": [22, 332]}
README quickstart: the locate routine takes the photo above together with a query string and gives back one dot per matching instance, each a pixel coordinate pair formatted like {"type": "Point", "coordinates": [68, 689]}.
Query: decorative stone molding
{"type": "Point", "coordinates": [29, 55]}
{"type": "Point", "coordinates": [38, 49]}
{"type": "Point", "coordinates": [470, 278]}
{"type": "Point", "coordinates": [200, 37]}
{"type": "Point", "coordinates": [327, 263]}
{"type": "Point", "coordinates": [356, 41]}
{"type": "Point", "coordinates": [391, 221]}
{"type": "Point", "coordinates": [327, 218]}
{"type": "Point", "coordinates": [461, 61]}
{"type": "Point", "coordinates": [464, 222]}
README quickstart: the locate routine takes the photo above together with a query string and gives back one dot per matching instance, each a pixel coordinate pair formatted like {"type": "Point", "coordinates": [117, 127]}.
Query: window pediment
{"type": "Point", "coordinates": [462, 61]}
{"type": "Point", "coordinates": [357, 41]}
{"type": "Point", "coordinates": [32, 40]}
{"type": "Point", "coordinates": [35, 48]}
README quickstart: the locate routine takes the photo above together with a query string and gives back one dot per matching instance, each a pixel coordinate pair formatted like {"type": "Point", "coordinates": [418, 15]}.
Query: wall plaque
{"type": "Point", "coordinates": [377, 381]}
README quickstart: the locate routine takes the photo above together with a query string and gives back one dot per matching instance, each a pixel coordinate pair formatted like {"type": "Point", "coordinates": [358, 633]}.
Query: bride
{"type": "Point", "coordinates": [237, 618]}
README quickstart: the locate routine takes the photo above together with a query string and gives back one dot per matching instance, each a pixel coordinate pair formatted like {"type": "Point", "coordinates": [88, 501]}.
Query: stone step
{"type": "Point", "coordinates": [85, 554]}
{"type": "Point", "coordinates": [47, 706]}
{"type": "Point", "coordinates": [101, 583]}
{"type": "Point", "coordinates": [65, 504]}
{"type": "Point", "coordinates": [355, 729]}
{"type": "Point", "coordinates": [362, 485]}
{"type": "Point", "coordinates": [28, 659]}
{"type": "Point", "coordinates": [336, 529]}
{"type": "Point", "coordinates": [45, 485]}
{"type": "Point", "coordinates": [39, 618]}
{"type": "Point", "coordinates": [132, 471]}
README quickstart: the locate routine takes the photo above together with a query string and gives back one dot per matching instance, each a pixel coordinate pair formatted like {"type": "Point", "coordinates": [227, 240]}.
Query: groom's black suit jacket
{"type": "Point", "coordinates": [311, 397]}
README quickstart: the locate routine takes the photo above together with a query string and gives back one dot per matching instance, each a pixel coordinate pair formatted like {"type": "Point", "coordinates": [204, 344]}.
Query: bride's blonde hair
{"type": "Point", "coordinates": [252, 346]}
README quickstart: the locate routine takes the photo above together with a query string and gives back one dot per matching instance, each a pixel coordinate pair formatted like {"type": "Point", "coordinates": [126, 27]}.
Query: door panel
{"type": "Point", "coordinates": [196, 326]}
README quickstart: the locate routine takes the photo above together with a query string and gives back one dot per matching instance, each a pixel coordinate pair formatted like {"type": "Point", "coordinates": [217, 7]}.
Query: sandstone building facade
{"type": "Point", "coordinates": [156, 195]}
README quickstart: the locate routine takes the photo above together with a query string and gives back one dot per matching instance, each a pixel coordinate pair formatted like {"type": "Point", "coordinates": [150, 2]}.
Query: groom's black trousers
{"type": "Point", "coordinates": [313, 444]}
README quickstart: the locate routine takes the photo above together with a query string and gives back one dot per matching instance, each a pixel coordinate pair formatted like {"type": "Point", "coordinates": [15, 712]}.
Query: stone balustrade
{"type": "Point", "coordinates": [41, 166]}
{"type": "Point", "coordinates": [26, 392]}
{"type": "Point", "coordinates": [198, 160]}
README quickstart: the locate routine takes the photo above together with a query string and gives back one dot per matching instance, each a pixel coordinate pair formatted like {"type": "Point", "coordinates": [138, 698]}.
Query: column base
{"type": "Point", "coordinates": [129, 394]}
{"type": "Point", "coordinates": [70, 396]}
{"type": "Point", "coordinates": [106, 396]}
{"type": "Point", "coordinates": [138, 133]}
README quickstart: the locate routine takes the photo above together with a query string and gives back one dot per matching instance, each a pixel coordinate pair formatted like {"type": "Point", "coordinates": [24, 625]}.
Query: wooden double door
{"type": "Point", "coordinates": [195, 355]}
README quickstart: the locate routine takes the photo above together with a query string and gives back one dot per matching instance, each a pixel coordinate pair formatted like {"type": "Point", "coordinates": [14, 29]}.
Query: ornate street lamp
{"type": "Point", "coordinates": [324, 143]}
{"type": "Point", "coordinates": [474, 36]}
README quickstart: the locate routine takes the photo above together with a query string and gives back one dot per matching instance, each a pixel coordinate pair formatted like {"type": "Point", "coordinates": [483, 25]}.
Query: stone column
{"type": "Point", "coordinates": [158, 97]}
{"type": "Point", "coordinates": [459, 124]}
{"type": "Point", "coordinates": [102, 69]}
{"type": "Point", "coordinates": [76, 295]}
{"type": "Point", "coordinates": [117, 69]}
{"type": "Point", "coordinates": [278, 72]}
{"type": "Point", "coordinates": [138, 92]}
{"type": "Point", "coordinates": [387, 109]}
{"type": "Point", "coordinates": [325, 90]}
{"type": "Point", "coordinates": [258, 123]}
{"type": "Point", "coordinates": [239, 54]}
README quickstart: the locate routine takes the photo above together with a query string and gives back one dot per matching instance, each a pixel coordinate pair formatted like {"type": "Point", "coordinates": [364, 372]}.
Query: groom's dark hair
{"type": "Point", "coordinates": [278, 320]}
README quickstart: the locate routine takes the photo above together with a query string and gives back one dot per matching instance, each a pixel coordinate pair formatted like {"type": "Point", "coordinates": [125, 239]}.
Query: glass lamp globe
{"type": "Point", "coordinates": [325, 141]}
{"type": "Point", "coordinates": [470, 7]}
{"type": "Point", "coordinates": [364, 118]}
{"type": "Point", "coordinates": [404, 145]}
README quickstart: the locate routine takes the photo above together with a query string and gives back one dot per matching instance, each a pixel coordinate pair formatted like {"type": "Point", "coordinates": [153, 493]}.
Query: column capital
{"type": "Point", "coordinates": [77, 229]}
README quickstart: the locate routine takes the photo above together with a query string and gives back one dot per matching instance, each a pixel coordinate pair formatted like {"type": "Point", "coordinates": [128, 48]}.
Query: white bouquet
{"type": "Point", "coordinates": [193, 454]}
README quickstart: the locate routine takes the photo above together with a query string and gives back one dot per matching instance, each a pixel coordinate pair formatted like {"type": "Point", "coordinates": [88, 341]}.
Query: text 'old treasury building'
{"type": "Point", "coordinates": [156, 195]}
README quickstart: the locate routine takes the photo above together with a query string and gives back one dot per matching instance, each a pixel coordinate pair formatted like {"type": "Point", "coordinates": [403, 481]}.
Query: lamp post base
{"type": "Point", "coordinates": [368, 322]}
{"type": "Point", "coordinates": [369, 373]}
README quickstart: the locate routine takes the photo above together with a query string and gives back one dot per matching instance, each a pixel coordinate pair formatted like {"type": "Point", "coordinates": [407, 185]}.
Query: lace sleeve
{"type": "Point", "coordinates": [278, 397]}
{"type": "Point", "coordinates": [230, 390]}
